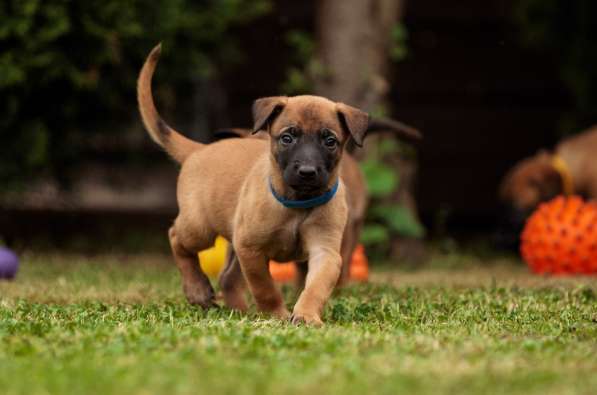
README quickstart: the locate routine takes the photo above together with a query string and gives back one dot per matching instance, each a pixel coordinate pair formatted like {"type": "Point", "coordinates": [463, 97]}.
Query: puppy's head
{"type": "Point", "coordinates": [530, 182]}
{"type": "Point", "coordinates": [308, 135]}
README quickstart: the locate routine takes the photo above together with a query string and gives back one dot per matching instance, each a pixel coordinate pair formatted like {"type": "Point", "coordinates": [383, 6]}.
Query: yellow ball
{"type": "Point", "coordinates": [212, 259]}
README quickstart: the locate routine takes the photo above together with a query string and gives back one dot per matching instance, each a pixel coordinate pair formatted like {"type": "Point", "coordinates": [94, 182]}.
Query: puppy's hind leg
{"type": "Point", "coordinates": [195, 284]}
{"type": "Point", "coordinates": [349, 244]}
{"type": "Point", "coordinates": [232, 283]}
{"type": "Point", "coordinates": [302, 268]}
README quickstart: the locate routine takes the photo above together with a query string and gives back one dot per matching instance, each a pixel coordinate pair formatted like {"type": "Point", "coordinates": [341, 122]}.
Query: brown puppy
{"type": "Point", "coordinates": [357, 202]}
{"type": "Point", "coordinates": [571, 169]}
{"type": "Point", "coordinates": [240, 189]}
{"type": "Point", "coordinates": [231, 279]}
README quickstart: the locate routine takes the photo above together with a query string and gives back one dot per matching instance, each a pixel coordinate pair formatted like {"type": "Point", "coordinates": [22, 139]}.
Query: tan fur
{"type": "Point", "coordinates": [175, 144]}
{"type": "Point", "coordinates": [535, 179]}
{"type": "Point", "coordinates": [223, 189]}
{"type": "Point", "coordinates": [580, 152]}
{"type": "Point", "coordinates": [357, 200]}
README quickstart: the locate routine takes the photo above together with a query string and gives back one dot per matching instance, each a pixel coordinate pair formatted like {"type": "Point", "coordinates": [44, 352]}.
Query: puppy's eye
{"type": "Point", "coordinates": [330, 142]}
{"type": "Point", "coordinates": [286, 139]}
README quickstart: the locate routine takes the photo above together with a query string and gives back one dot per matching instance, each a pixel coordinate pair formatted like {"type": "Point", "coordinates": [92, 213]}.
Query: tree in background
{"type": "Point", "coordinates": [68, 70]}
{"type": "Point", "coordinates": [356, 42]}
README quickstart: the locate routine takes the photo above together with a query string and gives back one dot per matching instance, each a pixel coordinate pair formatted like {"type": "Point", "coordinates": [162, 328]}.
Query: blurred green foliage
{"type": "Point", "coordinates": [305, 67]}
{"type": "Point", "coordinates": [386, 218]}
{"type": "Point", "coordinates": [304, 64]}
{"type": "Point", "coordinates": [566, 30]}
{"type": "Point", "coordinates": [68, 68]}
{"type": "Point", "coordinates": [399, 49]}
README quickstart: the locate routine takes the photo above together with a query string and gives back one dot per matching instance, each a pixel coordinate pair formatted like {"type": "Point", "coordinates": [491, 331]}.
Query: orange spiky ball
{"type": "Point", "coordinates": [560, 237]}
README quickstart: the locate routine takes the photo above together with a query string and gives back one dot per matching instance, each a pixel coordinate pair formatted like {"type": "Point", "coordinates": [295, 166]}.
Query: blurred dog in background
{"type": "Point", "coordinates": [571, 169]}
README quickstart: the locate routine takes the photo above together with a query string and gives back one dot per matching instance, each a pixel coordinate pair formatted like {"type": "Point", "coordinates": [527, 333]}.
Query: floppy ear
{"type": "Point", "coordinates": [544, 155]}
{"type": "Point", "coordinates": [265, 111]}
{"type": "Point", "coordinates": [505, 187]}
{"type": "Point", "coordinates": [354, 121]}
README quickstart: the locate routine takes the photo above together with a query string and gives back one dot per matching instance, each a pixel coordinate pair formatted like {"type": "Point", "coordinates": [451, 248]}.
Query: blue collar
{"type": "Point", "coordinates": [308, 203]}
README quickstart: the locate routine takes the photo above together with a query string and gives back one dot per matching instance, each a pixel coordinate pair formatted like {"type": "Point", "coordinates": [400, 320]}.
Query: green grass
{"type": "Point", "coordinates": [119, 325]}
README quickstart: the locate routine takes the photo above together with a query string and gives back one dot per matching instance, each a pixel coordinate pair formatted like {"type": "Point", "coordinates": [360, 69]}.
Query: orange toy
{"type": "Point", "coordinates": [358, 271]}
{"type": "Point", "coordinates": [561, 237]}
{"type": "Point", "coordinates": [359, 265]}
{"type": "Point", "coordinates": [282, 272]}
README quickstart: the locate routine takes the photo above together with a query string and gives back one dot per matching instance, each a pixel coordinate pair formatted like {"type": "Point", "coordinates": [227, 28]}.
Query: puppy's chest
{"type": "Point", "coordinates": [284, 242]}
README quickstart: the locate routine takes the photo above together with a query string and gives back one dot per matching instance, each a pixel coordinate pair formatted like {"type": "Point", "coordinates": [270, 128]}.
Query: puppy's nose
{"type": "Point", "coordinates": [307, 172]}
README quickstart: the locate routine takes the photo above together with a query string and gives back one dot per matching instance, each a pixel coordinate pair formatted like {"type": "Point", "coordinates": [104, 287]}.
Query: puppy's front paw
{"type": "Point", "coordinates": [298, 318]}
{"type": "Point", "coordinates": [198, 295]}
{"type": "Point", "coordinates": [281, 313]}
{"type": "Point", "coordinates": [235, 301]}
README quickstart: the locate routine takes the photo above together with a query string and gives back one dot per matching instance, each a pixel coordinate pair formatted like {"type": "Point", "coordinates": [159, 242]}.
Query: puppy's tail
{"type": "Point", "coordinates": [175, 144]}
{"type": "Point", "coordinates": [399, 129]}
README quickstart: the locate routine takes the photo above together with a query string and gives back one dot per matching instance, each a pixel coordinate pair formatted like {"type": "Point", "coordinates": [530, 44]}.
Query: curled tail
{"type": "Point", "coordinates": [175, 144]}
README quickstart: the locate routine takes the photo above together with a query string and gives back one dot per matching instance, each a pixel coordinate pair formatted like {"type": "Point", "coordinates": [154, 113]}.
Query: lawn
{"type": "Point", "coordinates": [119, 325]}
